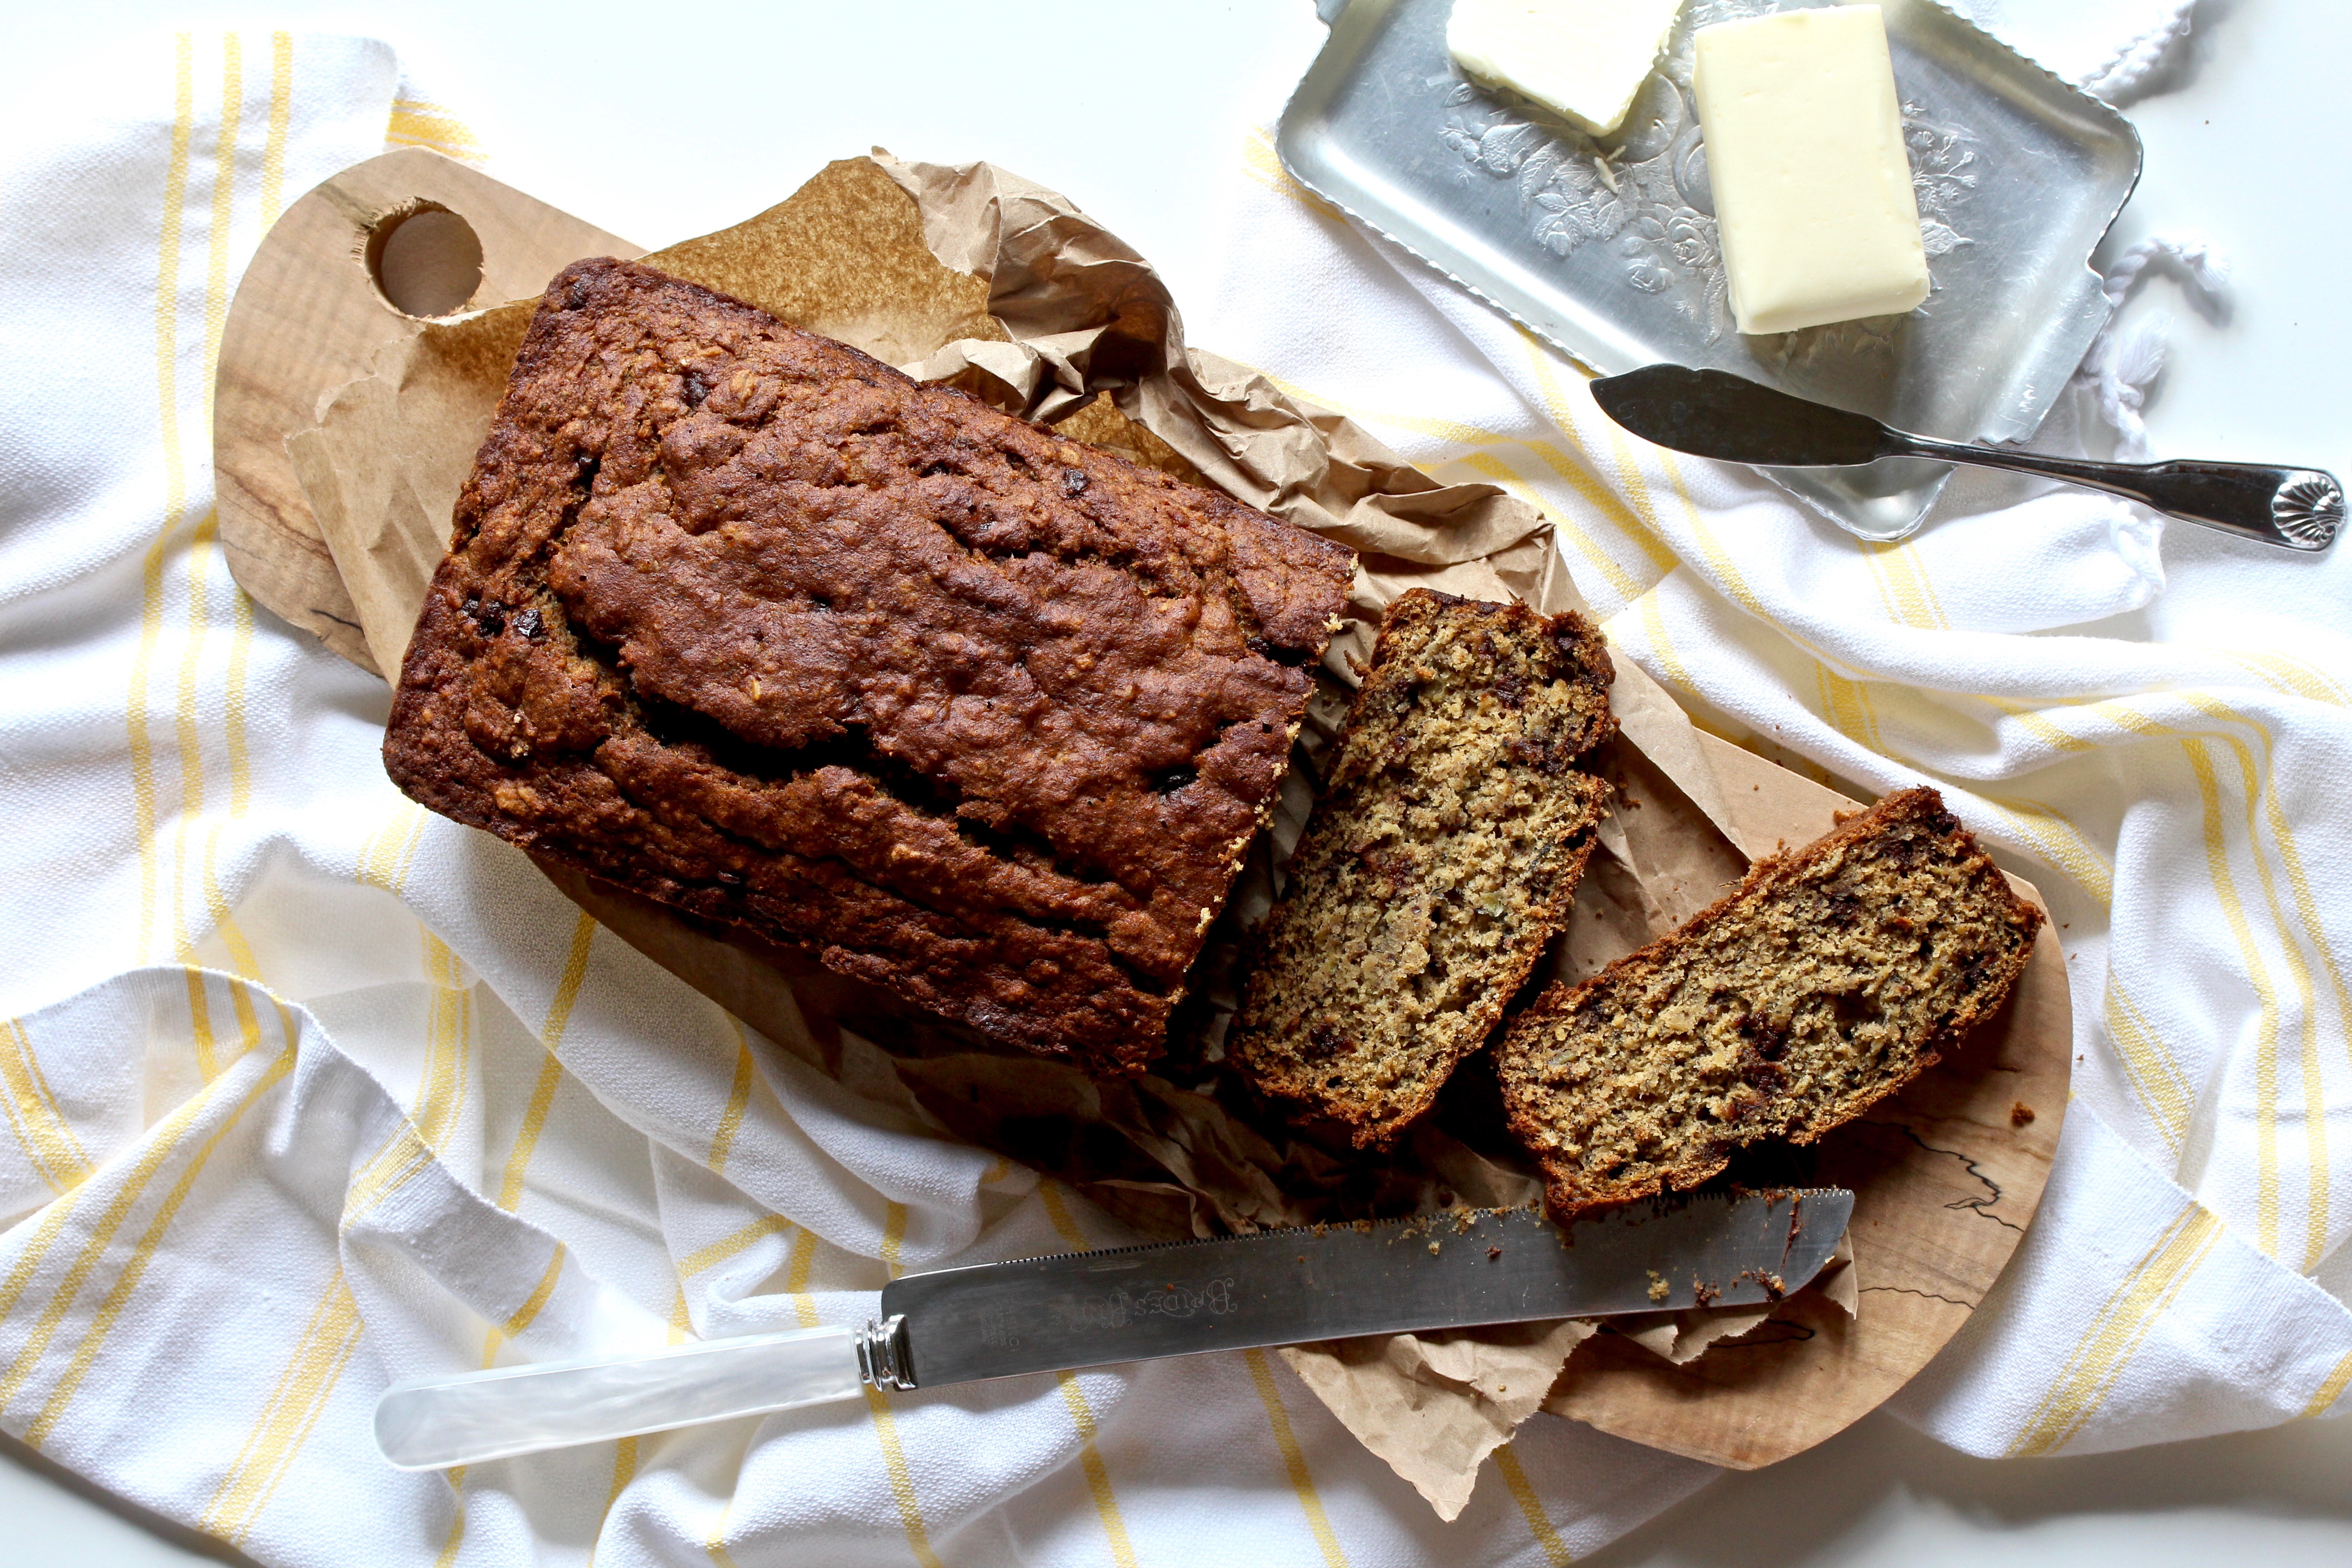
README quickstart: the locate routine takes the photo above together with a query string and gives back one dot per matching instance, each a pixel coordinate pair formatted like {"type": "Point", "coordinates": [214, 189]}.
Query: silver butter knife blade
{"type": "Point", "coordinates": [1713, 414]}
{"type": "Point", "coordinates": [1277, 1288]}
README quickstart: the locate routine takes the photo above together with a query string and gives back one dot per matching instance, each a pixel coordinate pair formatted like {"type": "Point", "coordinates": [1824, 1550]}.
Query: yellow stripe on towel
{"type": "Point", "coordinates": [2116, 1332]}
{"type": "Point", "coordinates": [57, 1155]}
{"type": "Point", "coordinates": [1523, 1492]}
{"type": "Point", "coordinates": [175, 485]}
{"type": "Point", "coordinates": [900, 1474]}
{"type": "Point", "coordinates": [134, 1269]}
{"type": "Point", "coordinates": [1082, 1413]}
{"type": "Point", "coordinates": [304, 1388]}
{"type": "Point", "coordinates": [1293, 1459]}
{"type": "Point", "coordinates": [551, 1071]}
{"type": "Point", "coordinates": [162, 1144]}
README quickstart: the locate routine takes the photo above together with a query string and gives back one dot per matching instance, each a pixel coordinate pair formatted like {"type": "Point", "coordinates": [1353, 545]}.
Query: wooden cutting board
{"type": "Point", "coordinates": [1947, 1174]}
{"type": "Point", "coordinates": [1946, 1177]}
{"type": "Point", "coordinates": [314, 308]}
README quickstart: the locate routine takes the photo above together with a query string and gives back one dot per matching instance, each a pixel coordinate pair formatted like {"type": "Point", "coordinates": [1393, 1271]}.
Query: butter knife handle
{"type": "Point", "coordinates": [430, 1423]}
{"type": "Point", "coordinates": [2300, 508]}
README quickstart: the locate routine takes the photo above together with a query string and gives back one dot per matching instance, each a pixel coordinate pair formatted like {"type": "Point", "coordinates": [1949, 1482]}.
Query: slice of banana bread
{"type": "Point", "coordinates": [1824, 983]}
{"type": "Point", "coordinates": [1440, 858]}
{"type": "Point", "coordinates": [750, 622]}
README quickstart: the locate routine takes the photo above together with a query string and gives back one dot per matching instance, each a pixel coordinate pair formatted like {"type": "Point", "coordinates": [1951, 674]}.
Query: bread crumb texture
{"type": "Point", "coordinates": [1443, 856]}
{"type": "Point", "coordinates": [744, 620]}
{"type": "Point", "coordinates": [1824, 981]}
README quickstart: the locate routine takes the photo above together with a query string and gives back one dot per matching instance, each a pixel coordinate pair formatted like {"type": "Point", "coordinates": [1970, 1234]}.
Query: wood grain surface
{"type": "Point", "coordinates": [308, 316]}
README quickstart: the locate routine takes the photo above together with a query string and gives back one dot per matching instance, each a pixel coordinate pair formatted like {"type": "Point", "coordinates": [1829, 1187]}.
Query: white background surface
{"type": "Point", "coordinates": [664, 122]}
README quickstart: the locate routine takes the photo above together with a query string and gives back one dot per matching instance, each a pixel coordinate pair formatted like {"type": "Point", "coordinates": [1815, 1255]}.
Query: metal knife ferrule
{"type": "Point", "coordinates": [882, 1353]}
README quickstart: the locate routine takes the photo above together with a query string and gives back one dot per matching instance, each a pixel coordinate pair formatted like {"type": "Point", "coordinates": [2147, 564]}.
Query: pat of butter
{"type": "Point", "coordinates": [1812, 186]}
{"type": "Point", "coordinates": [1583, 58]}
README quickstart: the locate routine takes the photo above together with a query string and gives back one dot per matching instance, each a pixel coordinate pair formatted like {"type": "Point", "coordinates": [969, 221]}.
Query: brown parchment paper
{"type": "Point", "coordinates": [973, 276]}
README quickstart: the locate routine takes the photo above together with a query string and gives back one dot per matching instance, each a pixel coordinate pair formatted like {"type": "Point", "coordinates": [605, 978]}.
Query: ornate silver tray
{"type": "Point", "coordinates": [1607, 249]}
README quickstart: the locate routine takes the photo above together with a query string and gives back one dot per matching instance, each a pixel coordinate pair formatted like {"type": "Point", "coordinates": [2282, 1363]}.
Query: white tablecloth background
{"type": "Point", "coordinates": [307, 1091]}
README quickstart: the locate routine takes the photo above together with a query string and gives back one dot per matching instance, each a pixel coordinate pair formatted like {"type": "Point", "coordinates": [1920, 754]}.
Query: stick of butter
{"type": "Point", "coordinates": [1584, 59]}
{"type": "Point", "coordinates": [1812, 186]}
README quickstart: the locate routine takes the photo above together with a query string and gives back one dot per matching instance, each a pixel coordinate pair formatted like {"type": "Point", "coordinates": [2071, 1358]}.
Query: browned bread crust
{"type": "Point", "coordinates": [1825, 981]}
{"type": "Point", "coordinates": [742, 620]}
{"type": "Point", "coordinates": [1443, 856]}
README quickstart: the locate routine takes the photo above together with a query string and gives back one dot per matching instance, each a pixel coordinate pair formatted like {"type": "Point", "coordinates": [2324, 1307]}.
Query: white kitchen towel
{"type": "Point", "coordinates": [2111, 47]}
{"type": "Point", "coordinates": [2151, 720]}
{"type": "Point", "coordinates": [307, 1091]}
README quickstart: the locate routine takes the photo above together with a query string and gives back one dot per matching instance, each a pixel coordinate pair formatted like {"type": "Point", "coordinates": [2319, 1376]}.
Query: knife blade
{"type": "Point", "coordinates": [1713, 414]}
{"type": "Point", "coordinates": [1442, 1272]}
{"type": "Point", "coordinates": [1078, 1310]}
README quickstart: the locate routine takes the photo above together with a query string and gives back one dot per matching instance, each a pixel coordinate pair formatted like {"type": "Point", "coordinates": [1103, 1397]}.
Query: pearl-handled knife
{"type": "Point", "coordinates": [1137, 1303]}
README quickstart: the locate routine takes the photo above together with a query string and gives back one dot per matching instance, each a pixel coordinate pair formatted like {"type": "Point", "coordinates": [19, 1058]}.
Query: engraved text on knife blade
{"type": "Point", "coordinates": [1117, 1309]}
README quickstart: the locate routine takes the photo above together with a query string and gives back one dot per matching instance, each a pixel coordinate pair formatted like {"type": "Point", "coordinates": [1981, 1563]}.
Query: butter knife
{"type": "Point", "coordinates": [1713, 414]}
{"type": "Point", "coordinates": [1139, 1303]}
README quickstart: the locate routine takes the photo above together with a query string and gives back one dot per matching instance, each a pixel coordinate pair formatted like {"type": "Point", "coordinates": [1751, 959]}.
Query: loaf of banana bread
{"type": "Point", "coordinates": [1454, 824]}
{"type": "Point", "coordinates": [1827, 980]}
{"type": "Point", "coordinates": [744, 620]}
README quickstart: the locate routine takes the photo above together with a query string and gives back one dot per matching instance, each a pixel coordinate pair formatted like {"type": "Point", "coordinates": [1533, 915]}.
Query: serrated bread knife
{"type": "Point", "coordinates": [1715, 414]}
{"type": "Point", "coordinates": [1137, 1304]}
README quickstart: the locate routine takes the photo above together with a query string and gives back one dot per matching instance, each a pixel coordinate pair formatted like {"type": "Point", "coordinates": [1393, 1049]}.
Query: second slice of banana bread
{"type": "Point", "coordinates": [1443, 855]}
{"type": "Point", "coordinates": [1827, 980]}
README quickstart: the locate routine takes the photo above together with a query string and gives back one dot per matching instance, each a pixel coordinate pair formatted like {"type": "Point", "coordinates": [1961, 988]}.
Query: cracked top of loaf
{"type": "Point", "coordinates": [742, 620]}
